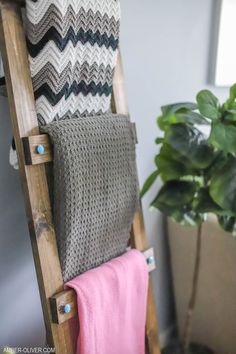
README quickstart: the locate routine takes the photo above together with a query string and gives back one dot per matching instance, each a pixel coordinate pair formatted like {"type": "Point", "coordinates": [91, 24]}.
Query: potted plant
{"type": "Point", "coordinates": [198, 172]}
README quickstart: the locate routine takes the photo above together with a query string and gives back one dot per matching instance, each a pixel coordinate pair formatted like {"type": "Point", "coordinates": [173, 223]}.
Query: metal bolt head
{"type": "Point", "coordinates": [150, 260]}
{"type": "Point", "coordinates": [67, 308]}
{"type": "Point", "coordinates": [40, 149]}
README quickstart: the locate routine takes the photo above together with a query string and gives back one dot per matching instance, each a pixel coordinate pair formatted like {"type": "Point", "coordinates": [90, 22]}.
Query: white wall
{"type": "Point", "coordinates": [166, 48]}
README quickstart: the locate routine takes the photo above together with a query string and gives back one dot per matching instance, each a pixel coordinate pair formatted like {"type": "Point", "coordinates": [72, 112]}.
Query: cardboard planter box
{"type": "Point", "coordinates": [214, 321]}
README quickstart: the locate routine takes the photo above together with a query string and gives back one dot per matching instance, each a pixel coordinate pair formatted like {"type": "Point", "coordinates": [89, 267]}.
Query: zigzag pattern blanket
{"type": "Point", "coordinates": [72, 53]}
{"type": "Point", "coordinates": [72, 48]}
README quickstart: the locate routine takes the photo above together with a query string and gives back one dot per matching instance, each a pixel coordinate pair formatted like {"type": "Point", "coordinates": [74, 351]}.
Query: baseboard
{"type": "Point", "coordinates": [166, 336]}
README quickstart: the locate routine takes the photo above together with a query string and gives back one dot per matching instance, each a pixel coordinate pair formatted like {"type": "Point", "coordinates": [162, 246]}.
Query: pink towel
{"type": "Point", "coordinates": [112, 306]}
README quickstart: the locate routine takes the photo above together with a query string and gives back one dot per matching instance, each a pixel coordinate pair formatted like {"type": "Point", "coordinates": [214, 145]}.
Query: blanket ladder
{"type": "Point", "coordinates": [58, 305]}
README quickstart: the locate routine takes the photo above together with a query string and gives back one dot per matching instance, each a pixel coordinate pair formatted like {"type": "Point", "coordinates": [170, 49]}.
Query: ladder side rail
{"type": "Point", "coordinates": [138, 235]}
{"type": "Point", "coordinates": [33, 178]}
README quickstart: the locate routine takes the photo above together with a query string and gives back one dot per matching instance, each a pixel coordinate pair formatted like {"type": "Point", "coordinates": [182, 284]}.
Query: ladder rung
{"type": "Point", "coordinates": [58, 303]}
{"type": "Point", "coordinates": [37, 149]}
{"type": "Point", "coordinates": [63, 304]}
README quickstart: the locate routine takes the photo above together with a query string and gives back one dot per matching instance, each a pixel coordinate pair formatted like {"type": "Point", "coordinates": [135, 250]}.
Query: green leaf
{"type": "Point", "coordinates": [174, 199]}
{"type": "Point", "coordinates": [229, 117]}
{"type": "Point", "coordinates": [149, 182]}
{"type": "Point", "coordinates": [190, 118]}
{"type": "Point", "coordinates": [184, 215]}
{"type": "Point", "coordinates": [223, 186]}
{"type": "Point", "coordinates": [179, 113]}
{"type": "Point", "coordinates": [176, 213]}
{"type": "Point", "coordinates": [190, 143]}
{"type": "Point", "coordinates": [169, 168]}
{"type": "Point", "coordinates": [161, 123]}
{"type": "Point", "coordinates": [172, 108]}
{"type": "Point", "coordinates": [223, 136]}
{"type": "Point", "coordinates": [159, 141]}
{"type": "Point", "coordinates": [228, 223]}
{"type": "Point", "coordinates": [233, 92]}
{"type": "Point", "coordinates": [230, 103]}
{"type": "Point", "coordinates": [203, 203]}
{"type": "Point", "coordinates": [175, 193]}
{"type": "Point", "coordinates": [167, 150]}
{"type": "Point", "coordinates": [231, 110]}
{"type": "Point", "coordinates": [220, 159]}
{"type": "Point", "coordinates": [208, 104]}
{"type": "Point", "coordinates": [170, 165]}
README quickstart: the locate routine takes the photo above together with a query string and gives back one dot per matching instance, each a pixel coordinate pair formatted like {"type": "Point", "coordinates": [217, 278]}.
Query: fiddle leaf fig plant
{"type": "Point", "coordinates": [197, 170]}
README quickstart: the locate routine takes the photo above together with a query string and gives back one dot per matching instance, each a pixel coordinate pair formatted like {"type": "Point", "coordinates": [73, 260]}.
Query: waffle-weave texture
{"type": "Point", "coordinates": [95, 189]}
{"type": "Point", "coordinates": [72, 47]}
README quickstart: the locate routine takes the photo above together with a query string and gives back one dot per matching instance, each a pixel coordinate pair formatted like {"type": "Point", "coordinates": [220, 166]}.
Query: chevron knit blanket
{"type": "Point", "coordinates": [72, 48]}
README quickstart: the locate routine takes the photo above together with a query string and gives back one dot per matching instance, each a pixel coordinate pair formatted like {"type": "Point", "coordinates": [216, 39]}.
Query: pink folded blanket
{"type": "Point", "coordinates": [112, 306]}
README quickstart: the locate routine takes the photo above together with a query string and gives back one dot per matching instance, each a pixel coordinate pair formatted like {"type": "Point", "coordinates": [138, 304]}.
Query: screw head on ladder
{"type": "Point", "coordinates": [40, 149]}
{"type": "Point", "coordinates": [67, 308]}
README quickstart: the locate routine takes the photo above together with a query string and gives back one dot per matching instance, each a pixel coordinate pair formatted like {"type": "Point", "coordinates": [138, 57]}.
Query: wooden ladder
{"type": "Point", "coordinates": [35, 188]}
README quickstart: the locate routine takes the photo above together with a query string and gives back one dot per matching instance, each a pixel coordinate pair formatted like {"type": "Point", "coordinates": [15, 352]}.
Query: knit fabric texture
{"type": "Point", "coordinates": [95, 189]}
{"type": "Point", "coordinates": [72, 47]}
